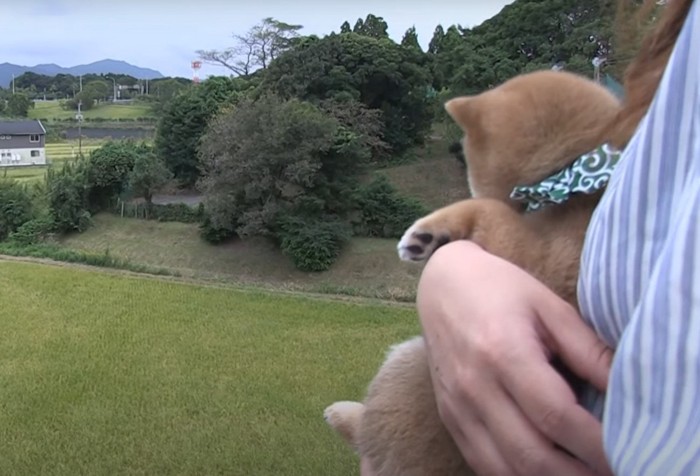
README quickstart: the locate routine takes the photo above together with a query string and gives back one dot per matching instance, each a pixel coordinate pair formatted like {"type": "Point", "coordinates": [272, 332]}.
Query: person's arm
{"type": "Point", "coordinates": [491, 330]}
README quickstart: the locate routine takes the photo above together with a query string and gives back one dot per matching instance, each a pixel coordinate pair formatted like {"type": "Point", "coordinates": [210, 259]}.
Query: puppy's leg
{"type": "Point", "coordinates": [345, 418]}
{"type": "Point", "coordinates": [488, 222]}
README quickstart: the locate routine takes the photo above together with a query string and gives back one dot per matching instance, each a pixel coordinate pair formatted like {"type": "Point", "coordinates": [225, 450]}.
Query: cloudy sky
{"type": "Point", "coordinates": [159, 35]}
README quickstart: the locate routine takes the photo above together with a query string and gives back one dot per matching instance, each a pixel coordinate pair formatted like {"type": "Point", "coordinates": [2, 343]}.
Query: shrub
{"type": "Point", "coordinates": [313, 244]}
{"type": "Point", "coordinates": [384, 213]}
{"type": "Point", "coordinates": [67, 196]}
{"type": "Point", "coordinates": [15, 206]}
{"type": "Point", "coordinates": [211, 233]}
{"type": "Point", "coordinates": [108, 170]}
{"type": "Point", "coordinates": [32, 232]}
{"type": "Point", "coordinates": [178, 212]}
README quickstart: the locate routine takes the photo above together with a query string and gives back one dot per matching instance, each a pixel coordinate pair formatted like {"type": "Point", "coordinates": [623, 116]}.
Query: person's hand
{"type": "Point", "coordinates": [491, 330]}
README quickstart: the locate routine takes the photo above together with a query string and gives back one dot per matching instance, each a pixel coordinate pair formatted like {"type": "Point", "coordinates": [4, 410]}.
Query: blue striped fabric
{"type": "Point", "coordinates": [640, 281]}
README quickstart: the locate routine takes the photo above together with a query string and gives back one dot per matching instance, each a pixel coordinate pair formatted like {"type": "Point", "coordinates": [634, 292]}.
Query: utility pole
{"type": "Point", "coordinates": [13, 84]}
{"type": "Point", "coordinates": [81, 83]}
{"type": "Point", "coordinates": [79, 117]}
{"type": "Point", "coordinates": [114, 91]}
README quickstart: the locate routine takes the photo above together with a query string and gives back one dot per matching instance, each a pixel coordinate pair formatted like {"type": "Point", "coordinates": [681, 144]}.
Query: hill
{"type": "Point", "coordinates": [99, 67]}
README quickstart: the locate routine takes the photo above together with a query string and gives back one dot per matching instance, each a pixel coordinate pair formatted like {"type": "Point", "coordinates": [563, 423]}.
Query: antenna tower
{"type": "Point", "coordinates": [196, 65]}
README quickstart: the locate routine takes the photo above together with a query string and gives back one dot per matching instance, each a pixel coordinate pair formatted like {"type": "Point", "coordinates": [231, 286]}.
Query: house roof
{"type": "Point", "coordinates": [22, 127]}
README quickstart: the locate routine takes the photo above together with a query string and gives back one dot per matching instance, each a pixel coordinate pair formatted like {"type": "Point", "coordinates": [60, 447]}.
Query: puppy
{"type": "Point", "coordinates": [518, 133]}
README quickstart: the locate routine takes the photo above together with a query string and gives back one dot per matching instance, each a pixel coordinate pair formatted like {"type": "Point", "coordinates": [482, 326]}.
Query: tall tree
{"type": "Point", "coordinates": [373, 26]}
{"type": "Point", "coordinates": [184, 120]}
{"type": "Point", "coordinates": [18, 105]}
{"type": "Point", "coordinates": [410, 39]}
{"type": "Point", "coordinates": [379, 73]}
{"type": "Point", "coordinates": [345, 27]}
{"type": "Point", "coordinates": [255, 49]}
{"type": "Point", "coordinates": [148, 175]}
{"type": "Point", "coordinates": [436, 40]}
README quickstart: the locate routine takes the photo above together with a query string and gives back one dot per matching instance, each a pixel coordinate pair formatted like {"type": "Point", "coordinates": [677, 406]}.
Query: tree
{"type": "Point", "coordinates": [15, 207]}
{"type": "Point", "coordinates": [255, 49]}
{"type": "Point", "coordinates": [98, 89]}
{"type": "Point", "coordinates": [526, 35]}
{"type": "Point", "coordinates": [184, 120]}
{"type": "Point", "coordinates": [161, 92]}
{"type": "Point", "coordinates": [18, 105]}
{"type": "Point", "coordinates": [373, 26]}
{"type": "Point", "coordinates": [345, 27]}
{"type": "Point", "coordinates": [376, 72]}
{"type": "Point", "coordinates": [67, 196]}
{"type": "Point", "coordinates": [148, 174]}
{"type": "Point", "coordinates": [410, 39]}
{"type": "Point", "coordinates": [436, 40]}
{"type": "Point", "coordinates": [87, 99]}
{"type": "Point", "coordinates": [275, 167]}
{"type": "Point", "coordinates": [359, 26]}
{"type": "Point", "coordinates": [107, 171]}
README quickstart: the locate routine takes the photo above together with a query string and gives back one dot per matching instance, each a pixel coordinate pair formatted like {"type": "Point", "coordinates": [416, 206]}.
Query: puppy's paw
{"type": "Point", "coordinates": [345, 417]}
{"type": "Point", "coordinates": [421, 240]}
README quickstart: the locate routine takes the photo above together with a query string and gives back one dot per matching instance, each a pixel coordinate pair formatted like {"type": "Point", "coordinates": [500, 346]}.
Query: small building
{"type": "Point", "coordinates": [22, 143]}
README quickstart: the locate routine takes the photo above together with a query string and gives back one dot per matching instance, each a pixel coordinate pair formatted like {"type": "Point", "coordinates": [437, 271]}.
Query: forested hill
{"type": "Point", "coordinates": [526, 35]}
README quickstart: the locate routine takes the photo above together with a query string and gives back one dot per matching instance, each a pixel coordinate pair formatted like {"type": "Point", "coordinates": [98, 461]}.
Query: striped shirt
{"type": "Point", "coordinates": [639, 286]}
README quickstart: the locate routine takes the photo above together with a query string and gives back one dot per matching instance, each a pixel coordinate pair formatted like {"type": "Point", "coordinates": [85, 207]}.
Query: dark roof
{"type": "Point", "coordinates": [21, 127]}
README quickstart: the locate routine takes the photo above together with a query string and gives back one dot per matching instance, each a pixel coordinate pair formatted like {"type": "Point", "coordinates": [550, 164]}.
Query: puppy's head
{"type": "Point", "coordinates": [529, 127]}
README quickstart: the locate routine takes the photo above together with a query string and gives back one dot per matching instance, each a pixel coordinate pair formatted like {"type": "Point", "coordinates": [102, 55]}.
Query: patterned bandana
{"type": "Point", "coordinates": [587, 174]}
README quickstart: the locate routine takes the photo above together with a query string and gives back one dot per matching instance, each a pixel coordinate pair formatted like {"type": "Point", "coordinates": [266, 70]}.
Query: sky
{"type": "Point", "coordinates": [159, 35]}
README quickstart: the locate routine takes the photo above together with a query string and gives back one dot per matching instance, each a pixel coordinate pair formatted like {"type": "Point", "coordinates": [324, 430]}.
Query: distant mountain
{"type": "Point", "coordinates": [98, 67]}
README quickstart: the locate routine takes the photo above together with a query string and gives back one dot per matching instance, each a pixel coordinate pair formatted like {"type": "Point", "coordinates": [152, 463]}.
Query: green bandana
{"type": "Point", "coordinates": [587, 174]}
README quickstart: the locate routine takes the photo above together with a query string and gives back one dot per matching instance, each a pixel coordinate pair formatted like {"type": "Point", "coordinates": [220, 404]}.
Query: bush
{"type": "Point", "coordinates": [214, 234]}
{"type": "Point", "coordinates": [313, 244]}
{"type": "Point", "coordinates": [32, 232]}
{"type": "Point", "coordinates": [67, 195]}
{"type": "Point", "coordinates": [108, 170]}
{"type": "Point", "coordinates": [178, 212]}
{"type": "Point", "coordinates": [15, 207]}
{"type": "Point", "coordinates": [383, 212]}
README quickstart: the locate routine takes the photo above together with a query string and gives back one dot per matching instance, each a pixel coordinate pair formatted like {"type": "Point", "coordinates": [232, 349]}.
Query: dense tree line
{"type": "Point", "coordinates": [264, 154]}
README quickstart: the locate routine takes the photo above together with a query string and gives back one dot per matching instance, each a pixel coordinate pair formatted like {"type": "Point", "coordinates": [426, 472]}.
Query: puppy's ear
{"type": "Point", "coordinates": [461, 110]}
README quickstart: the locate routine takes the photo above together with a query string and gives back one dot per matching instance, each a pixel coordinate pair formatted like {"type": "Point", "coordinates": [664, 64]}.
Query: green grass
{"type": "Point", "coordinates": [106, 374]}
{"type": "Point", "coordinates": [107, 111]}
{"type": "Point", "coordinates": [367, 267]}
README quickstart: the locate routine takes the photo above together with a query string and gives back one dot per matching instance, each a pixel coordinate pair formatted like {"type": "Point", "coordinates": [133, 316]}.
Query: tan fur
{"type": "Point", "coordinates": [529, 127]}
{"type": "Point", "coordinates": [516, 134]}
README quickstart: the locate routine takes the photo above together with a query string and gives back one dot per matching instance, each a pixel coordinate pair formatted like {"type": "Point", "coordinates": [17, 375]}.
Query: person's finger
{"type": "Point", "coordinates": [475, 443]}
{"type": "Point", "coordinates": [574, 342]}
{"type": "Point", "coordinates": [522, 445]}
{"type": "Point", "coordinates": [555, 412]}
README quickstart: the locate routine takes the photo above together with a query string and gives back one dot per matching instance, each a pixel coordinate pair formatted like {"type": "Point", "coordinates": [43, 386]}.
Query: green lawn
{"type": "Point", "coordinates": [107, 111]}
{"type": "Point", "coordinates": [110, 374]}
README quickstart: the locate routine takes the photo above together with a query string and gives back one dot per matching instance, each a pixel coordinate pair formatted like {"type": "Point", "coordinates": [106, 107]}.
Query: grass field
{"type": "Point", "coordinates": [367, 267]}
{"type": "Point", "coordinates": [109, 374]}
{"type": "Point", "coordinates": [107, 111]}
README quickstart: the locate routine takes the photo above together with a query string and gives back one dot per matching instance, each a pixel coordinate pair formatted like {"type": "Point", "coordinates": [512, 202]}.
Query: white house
{"type": "Point", "coordinates": [22, 143]}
